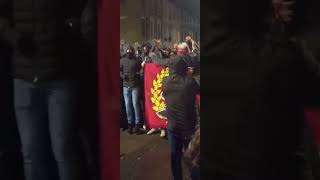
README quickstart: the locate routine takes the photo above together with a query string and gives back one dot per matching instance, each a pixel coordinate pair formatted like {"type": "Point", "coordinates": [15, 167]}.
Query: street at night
{"type": "Point", "coordinates": [144, 157]}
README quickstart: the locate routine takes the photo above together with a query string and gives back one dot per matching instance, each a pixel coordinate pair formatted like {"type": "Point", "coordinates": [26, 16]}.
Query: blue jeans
{"type": "Point", "coordinates": [177, 143]}
{"type": "Point", "coordinates": [45, 113]}
{"type": "Point", "coordinates": [131, 98]}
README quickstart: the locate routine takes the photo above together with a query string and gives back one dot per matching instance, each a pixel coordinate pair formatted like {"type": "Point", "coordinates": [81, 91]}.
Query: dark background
{"type": "Point", "coordinates": [306, 25]}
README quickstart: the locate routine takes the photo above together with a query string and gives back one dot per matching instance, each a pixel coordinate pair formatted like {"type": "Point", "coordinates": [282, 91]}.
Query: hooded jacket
{"type": "Point", "coordinates": [189, 60]}
{"type": "Point", "coordinates": [254, 93]}
{"type": "Point", "coordinates": [180, 92]}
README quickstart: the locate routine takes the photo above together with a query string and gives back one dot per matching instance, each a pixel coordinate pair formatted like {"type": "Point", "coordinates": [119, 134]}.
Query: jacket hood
{"type": "Point", "coordinates": [130, 55]}
{"type": "Point", "coordinates": [177, 66]}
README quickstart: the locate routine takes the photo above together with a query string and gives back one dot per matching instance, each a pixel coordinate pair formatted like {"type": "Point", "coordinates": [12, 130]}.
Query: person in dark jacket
{"type": "Point", "coordinates": [256, 85]}
{"type": "Point", "coordinates": [46, 37]}
{"type": "Point", "coordinates": [157, 48]}
{"type": "Point", "coordinates": [192, 61]}
{"type": "Point", "coordinates": [145, 58]}
{"type": "Point", "coordinates": [130, 68]}
{"type": "Point", "coordinates": [123, 118]}
{"type": "Point", "coordinates": [184, 53]}
{"type": "Point", "coordinates": [179, 91]}
{"type": "Point", "coordinates": [145, 54]}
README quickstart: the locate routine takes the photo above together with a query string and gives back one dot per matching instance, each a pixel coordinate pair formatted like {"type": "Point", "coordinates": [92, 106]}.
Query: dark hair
{"type": "Point", "coordinates": [168, 51]}
{"type": "Point", "coordinates": [146, 46]}
{"type": "Point", "coordinates": [131, 48]}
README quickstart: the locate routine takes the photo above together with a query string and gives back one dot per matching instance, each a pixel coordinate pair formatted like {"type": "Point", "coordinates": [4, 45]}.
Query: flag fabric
{"type": "Point", "coordinates": [108, 90]}
{"type": "Point", "coordinates": [313, 120]}
{"type": "Point", "coordinates": [155, 106]}
{"type": "Point", "coordinates": [198, 99]}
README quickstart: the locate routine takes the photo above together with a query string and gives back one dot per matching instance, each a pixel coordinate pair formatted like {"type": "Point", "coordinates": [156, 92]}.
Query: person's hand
{"type": "Point", "coordinates": [283, 10]}
{"type": "Point", "coordinates": [143, 63]}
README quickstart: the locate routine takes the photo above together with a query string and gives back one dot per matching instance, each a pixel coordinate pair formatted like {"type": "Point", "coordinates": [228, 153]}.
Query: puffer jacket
{"type": "Point", "coordinates": [130, 68]}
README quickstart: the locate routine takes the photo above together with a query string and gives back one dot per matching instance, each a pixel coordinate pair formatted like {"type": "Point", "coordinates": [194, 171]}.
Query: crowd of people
{"type": "Point", "coordinates": [179, 90]}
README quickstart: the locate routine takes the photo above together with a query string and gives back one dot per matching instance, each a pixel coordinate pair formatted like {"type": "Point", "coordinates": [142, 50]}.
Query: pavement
{"type": "Point", "coordinates": [144, 157]}
{"type": "Point", "coordinates": [147, 157]}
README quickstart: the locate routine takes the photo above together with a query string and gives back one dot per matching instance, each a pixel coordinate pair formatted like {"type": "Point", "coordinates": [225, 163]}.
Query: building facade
{"type": "Point", "coordinates": [144, 20]}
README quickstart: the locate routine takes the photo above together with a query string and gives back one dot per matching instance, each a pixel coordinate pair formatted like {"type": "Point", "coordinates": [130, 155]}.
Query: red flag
{"type": "Point", "coordinates": [108, 82]}
{"type": "Point", "coordinates": [313, 120]}
{"type": "Point", "coordinates": [154, 102]}
{"type": "Point", "coordinates": [198, 99]}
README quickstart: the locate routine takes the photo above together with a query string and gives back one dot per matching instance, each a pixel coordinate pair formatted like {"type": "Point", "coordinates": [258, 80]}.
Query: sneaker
{"type": "Point", "coordinates": [137, 131]}
{"type": "Point", "coordinates": [163, 133]}
{"type": "Point", "coordinates": [130, 130]}
{"type": "Point", "coordinates": [151, 131]}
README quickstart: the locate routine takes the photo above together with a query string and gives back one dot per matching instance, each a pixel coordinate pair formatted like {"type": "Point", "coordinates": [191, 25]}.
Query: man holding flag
{"type": "Point", "coordinates": [170, 97]}
{"type": "Point", "coordinates": [179, 91]}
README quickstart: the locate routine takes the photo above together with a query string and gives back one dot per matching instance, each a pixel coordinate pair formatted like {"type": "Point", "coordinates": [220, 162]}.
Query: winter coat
{"type": "Point", "coordinates": [180, 92]}
{"type": "Point", "coordinates": [130, 71]}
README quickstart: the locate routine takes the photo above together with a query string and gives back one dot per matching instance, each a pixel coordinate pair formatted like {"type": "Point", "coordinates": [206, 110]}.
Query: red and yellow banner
{"type": "Point", "coordinates": [155, 106]}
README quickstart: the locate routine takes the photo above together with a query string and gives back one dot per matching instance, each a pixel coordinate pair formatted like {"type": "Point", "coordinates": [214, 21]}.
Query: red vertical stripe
{"type": "Point", "coordinates": [313, 120]}
{"type": "Point", "coordinates": [108, 82]}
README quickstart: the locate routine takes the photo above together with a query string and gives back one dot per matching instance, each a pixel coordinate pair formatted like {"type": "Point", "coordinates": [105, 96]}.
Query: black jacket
{"type": "Point", "coordinates": [180, 93]}
{"type": "Point", "coordinates": [47, 36]}
{"type": "Point", "coordinates": [191, 61]}
{"type": "Point", "coordinates": [146, 59]}
{"type": "Point", "coordinates": [130, 71]}
{"type": "Point", "coordinates": [254, 93]}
